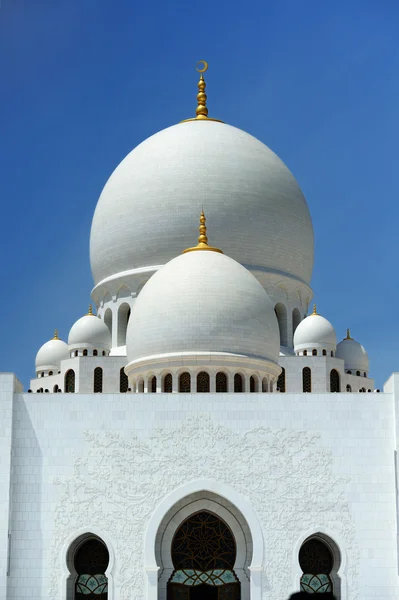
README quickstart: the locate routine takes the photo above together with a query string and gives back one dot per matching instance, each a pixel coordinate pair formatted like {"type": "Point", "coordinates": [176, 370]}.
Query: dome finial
{"type": "Point", "coordinates": [202, 238]}
{"type": "Point", "coordinates": [56, 335]}
{"type": "Point", "coordinates": [90, 310]}
{"type": "Point", "coordinates": [201, 111]}
{"type": "Point", "coordinates": [314, 310]}
{"type": "Point", "coordinates": [348, 335]}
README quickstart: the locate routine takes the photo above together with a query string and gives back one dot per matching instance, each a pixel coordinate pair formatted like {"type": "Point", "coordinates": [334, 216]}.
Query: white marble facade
{"type": "Point", "coordinates": [199, 387]}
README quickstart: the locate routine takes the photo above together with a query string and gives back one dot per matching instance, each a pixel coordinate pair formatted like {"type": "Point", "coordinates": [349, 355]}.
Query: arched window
{"type": "Point", "coordinates": [167, 383]}
{"type": "Point", "coordinates": [91, 562]}
{"type": "Point", "coordinates": [123, 318]}
{"type": "Point", "coordinates": [55, 389]}
{"type": "Point", "coordinates": [69, 383]}
{"type": "Point", "coordinates": [153, 385]}
{"type": "Point", "coordinates": [358, 373]}
{"type": "Point", "coordinates": [324, 352]}
{"type": "Point", "coordinates": [238, 386]}
{"type": "Point", "coordinates": [185, 383]}
{"type": "Point", "coordinates": [98, 380]}
{"type": "Point", "coordinates": [95, 352]}
{"type": "Point", "coordinates": [85, 352]}
{"type": "Point", "coordinates": [364, 374]}
{"type": "Point", "coordinates": [50, 372]}
{"type": "Point", "coordinates": [76, 352]}
{"type": "Point", "coordinates": [349, 372]}
{"type": "Point", "coordinates": [317, 562]}
{"type": "Point", "coordinates": [203, 554]}
{"type": "Point", "coordinates": [348, 388]}
{"type": "Point", "coordinates": [305, 352]}
{"type": "Point", "coordinates": [281, 314]}
{"type": "Point", "coordinates": [108, 319]}
{"type": "Point", "coordinates": [334, 381]}
{"type": "Point", "coordinates": [281, 381]}
{"type": "Point", "coordinates": [314, 352]}
{"type": "Point", "coordinates": [221, 382]}
{"type": "Point", "coordinates": [306, 379]}
{"type": "Point", "coordinates": [253, 384]}
{"type": "Point", "coordinates": [332, 353]}
{"type": "Point", "coordinates": [123, 381]}
{"type": "Point", "coordinates": [296, 319]}
{"type": "Point", "coordinates": [103, 353]}
{"type": "Point", "coordinates": [203, 382]}
{"type": "Point", "coordinates": [140, 386]}
{"type": "Point", "coordinates": [264, 385]}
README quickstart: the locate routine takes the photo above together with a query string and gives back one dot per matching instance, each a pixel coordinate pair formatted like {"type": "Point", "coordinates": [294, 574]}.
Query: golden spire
{"type": "Point", "coordinates": [202, 238]}
{"type": "Point", "coordinates": [56, 335]}
{"type": "Point", "coordinates": [90, 311]}
{"type": "Point", "coordinates": [348, 335]}
{"type": "Point", "coordinates": [314, 310]}
{"type": "Point", "coordinates": [202, 109]}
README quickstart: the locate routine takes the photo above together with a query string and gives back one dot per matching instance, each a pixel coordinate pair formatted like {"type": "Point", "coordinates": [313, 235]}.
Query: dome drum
{"type": "Point", "coordinates": [194, 363]}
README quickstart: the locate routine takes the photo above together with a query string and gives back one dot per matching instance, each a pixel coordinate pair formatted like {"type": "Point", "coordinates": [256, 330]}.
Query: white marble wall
{"type": "Point", "coordinates": [105, 463]}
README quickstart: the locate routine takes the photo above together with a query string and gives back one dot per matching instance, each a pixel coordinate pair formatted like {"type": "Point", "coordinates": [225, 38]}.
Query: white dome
{"type": "Point", "coordinates": [203, 302]}
{"type": "Point", "coordinates": [354, 356]}
{"type": "Point", "coordinates": [51, 354]}
{"type": "Point", "coordinates": [148, 208]}
{"type": "Point", "coordinates": [315, 333]}
{"type": "Point", "coordinates": [89, 332]}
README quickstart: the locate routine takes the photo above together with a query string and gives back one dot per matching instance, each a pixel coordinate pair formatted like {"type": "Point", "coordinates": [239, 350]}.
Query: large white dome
{"type": "Point", "coordinates": [148, 208]}
{"type": "Point", "coordinates": [203, 302]}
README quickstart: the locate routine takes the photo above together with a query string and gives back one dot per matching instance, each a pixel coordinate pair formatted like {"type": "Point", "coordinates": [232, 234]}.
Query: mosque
{"type": "Point", "coordinates": [201, 434]}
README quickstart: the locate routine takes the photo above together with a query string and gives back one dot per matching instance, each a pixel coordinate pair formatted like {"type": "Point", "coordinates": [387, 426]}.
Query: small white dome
{"type": "Point", "coordinates": [51, 354]}
{"type": "Point", "coordinates": [203, 302]}
{"type": "Point", "coordinates": [354, 355]}
{"type": "Point", "coordinates": [89, 332]}
{"type": "Point", "coordinates": [315, 333]}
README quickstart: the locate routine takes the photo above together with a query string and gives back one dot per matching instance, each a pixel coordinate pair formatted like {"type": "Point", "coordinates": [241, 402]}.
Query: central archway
{"type": "Point", "coordinates": [203, 554]}
{"type": "Point", "coordinates": [229, 506]}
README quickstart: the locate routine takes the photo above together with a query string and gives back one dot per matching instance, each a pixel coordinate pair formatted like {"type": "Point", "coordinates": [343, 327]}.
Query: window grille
{"type": "Point", "coordinates": [98, 380]}
{"type": "Point", "coordinates": [185, 382]}
{"type": "Point", "coordinates": [221, 382]}
{"type": "Point", "coordinates": [203, 382]}
{"type": "Point", "coordinates": [69, 385]}
{"type": "Point", "coordinates": [167, 383]}
{"type": "Point", "coordinates": [91, 562]}
{"type": "Point", "coordinates": [238, 386]}
{"type": "Point", "coordinates": [306, 380]}
{"type": "Point", "coordinates": [123, 381]}
{"type": "Point", "coordinates": [334, 381]}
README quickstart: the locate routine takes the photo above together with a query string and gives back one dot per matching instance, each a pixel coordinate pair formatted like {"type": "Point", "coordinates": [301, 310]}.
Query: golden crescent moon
{"type": "Point", "coordinates": [205, 67]}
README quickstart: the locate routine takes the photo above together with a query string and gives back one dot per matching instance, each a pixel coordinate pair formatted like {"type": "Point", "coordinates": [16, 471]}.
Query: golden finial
{"type": "Point", "coordinates": [202, 238]}
{"type": "Point", "coordinates": [348, 335]}
{"type": "Point", "coordinates": [90, 311]}
{"type": "Point", "coordinates": [56, 335]}
{"type": "Point", "coordinates": [202, 109]}
{"type": "Point", "coordinates": [314, 310]}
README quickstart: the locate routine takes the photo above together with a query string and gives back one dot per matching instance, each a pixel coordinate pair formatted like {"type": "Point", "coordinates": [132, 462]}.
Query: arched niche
{"type": "Point", "coordinates": [338, 563]}
{"type": "Point", "coordinates": [220, 500]}
{"type": "Point", "coordinates": [281, 314]}
{"type": "Point", "coordinates": [108, 319]}
{"type": "Point", "coordinates": [296, 319]}
{"type": "Point", "coordinates": [74, 545]}
{"type": "Point", "coordinates": [123, 319]}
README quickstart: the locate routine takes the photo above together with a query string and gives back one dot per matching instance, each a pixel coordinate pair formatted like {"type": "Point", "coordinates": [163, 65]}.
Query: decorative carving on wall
{"type": "Point", "coordinates": [286, 475]}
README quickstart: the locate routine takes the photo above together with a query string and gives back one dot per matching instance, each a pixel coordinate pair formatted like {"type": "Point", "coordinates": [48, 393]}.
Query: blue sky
{"type": "Point", "coordinates": [84, 81]}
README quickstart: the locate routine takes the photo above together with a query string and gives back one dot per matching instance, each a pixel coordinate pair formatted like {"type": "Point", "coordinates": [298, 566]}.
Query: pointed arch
{"type": "Point", "coordinates": [281, 314]}
{"type": "Point", "coordinates": [281, 381]}
{"type": "Point", "coordinates": [123, 319]}
{"type": "Point", "coordinates": [123, 381]}
{"type": "Point", "coordinates": [335, 383]}
{"type": "Point", "coordinates": [69, 382]}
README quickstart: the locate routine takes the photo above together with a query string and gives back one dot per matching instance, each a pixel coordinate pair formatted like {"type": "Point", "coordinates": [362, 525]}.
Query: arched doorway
{"type": "Point", "coordinates": [90, 563]}
{"type": "Point", "coordinates": [319, 562]}
{"type": "Point", "coordinates": [203, 554]}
